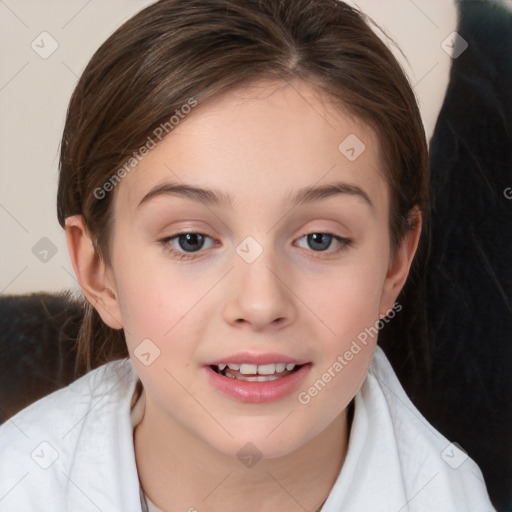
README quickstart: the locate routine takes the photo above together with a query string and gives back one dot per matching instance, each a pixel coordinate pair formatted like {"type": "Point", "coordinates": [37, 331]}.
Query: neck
{"type": "Point", "coordinates": [178, 471]}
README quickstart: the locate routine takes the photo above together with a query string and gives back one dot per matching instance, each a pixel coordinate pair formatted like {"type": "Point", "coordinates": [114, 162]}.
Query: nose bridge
{"type": "Point", "coordinates": [258, 294]}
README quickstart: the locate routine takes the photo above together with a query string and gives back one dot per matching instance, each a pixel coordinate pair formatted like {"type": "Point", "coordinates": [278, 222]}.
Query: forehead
{"type": "Point", "coordinates": [261, 142]}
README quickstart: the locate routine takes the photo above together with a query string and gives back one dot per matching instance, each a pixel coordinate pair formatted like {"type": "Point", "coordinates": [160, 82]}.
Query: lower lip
{"type": "Point", "coordinates": [258, 392]}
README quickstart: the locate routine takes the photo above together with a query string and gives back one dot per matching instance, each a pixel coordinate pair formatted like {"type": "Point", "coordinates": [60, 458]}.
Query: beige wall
{"type": "Point", "coordinates": [34, 93]}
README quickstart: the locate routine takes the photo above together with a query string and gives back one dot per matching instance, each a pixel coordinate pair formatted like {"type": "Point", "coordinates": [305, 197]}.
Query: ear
{"type": "Point", "coordinates": [94, 277]}
{"type": "Point", "coordinates": [400, 264]}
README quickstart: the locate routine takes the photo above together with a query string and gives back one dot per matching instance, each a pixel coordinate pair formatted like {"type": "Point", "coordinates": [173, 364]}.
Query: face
{"type": "Point", "coordinates": [283, 261]}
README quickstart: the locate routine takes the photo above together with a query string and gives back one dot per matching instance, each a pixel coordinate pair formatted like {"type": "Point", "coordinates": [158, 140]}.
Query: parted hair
{"type": "Point", "coordinates": [175, 50]}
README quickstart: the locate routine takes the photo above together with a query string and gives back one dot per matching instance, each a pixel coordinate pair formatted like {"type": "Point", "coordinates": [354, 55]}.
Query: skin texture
{"type": "Point", "coordinates": [259, 144]}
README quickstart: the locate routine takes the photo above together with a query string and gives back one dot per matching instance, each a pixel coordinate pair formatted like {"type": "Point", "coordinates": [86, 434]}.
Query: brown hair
{"type": "Point", "coordinates": [175, 50]}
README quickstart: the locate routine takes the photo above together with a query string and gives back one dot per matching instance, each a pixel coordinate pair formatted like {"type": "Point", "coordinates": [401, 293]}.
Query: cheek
{"type": "Point", "coordinates": [167, 315]}
{"type": "Point", "coordinates": [348, 300]}
{"type": "Point", "coordinates": [152, 297]}
{"type": "Point", "coordinates": [350, 307]}
{"type": "Point", "coordinates": [349, 314]}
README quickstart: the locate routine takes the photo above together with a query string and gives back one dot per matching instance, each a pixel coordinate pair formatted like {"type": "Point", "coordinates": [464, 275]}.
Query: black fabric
{"type": "Point", "coordinates": [38, 335]}
{"type": "Point", "coordinates": [469, 275]}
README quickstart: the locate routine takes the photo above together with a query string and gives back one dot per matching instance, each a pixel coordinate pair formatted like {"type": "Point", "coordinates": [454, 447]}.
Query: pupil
{"type": "Point", "coordinates": [322, 239]}
{"type": "Point", "coordinates": [194, 240]}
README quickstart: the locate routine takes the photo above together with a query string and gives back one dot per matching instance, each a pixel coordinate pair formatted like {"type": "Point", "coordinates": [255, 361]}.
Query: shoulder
{"type": "Point", "coordinates": [52, 447]}
{"type": "Point", "coordinates": [99, 389]}
{"type": "Point", "coordinates": [436, 472]}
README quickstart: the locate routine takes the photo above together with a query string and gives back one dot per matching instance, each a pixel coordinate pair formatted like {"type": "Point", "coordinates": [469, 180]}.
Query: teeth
{"type": "Point", "coordinates": [255, 378]}
{"type": "Point", "coordinates": [267, 369]}
{"type": "Point", "coordinates": [262, 369]}
{"type": "Point", "coordinates": [248, 369]}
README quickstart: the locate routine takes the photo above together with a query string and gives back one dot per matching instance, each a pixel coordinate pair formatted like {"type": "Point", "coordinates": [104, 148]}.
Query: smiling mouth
{"type": "Point", "coordinates": [256, 373]}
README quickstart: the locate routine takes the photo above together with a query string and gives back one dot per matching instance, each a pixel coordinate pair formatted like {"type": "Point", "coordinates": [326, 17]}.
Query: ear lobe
{"type": "Point", "coordinates": [400, 264]}
{"type": "Point", "coordinates": [92, 273]}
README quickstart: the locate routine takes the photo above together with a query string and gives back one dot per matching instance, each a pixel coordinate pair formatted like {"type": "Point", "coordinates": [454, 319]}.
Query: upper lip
{"type": "Point", "coordinates": [257, 359]}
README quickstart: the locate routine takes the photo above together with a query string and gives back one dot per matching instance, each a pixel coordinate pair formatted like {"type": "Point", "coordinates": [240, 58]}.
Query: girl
{"type": "Point", "coordinates": [243, 186]}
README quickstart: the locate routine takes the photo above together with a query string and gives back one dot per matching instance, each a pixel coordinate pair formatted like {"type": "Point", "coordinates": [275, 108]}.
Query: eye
{"type": "Point", "coordinates": [182, 246]}
{"type": "Point", "coordinates": [320, 242]}
{"type": "Point", "coordinates": [182, 243]}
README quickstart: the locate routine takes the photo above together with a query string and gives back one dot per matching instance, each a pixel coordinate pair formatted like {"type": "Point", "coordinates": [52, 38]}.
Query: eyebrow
{"type": "Point", "coordinates": [216, 197]}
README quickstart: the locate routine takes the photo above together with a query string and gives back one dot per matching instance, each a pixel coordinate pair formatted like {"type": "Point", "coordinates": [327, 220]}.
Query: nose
{"type": "Point", "coordinates": [260, 295]}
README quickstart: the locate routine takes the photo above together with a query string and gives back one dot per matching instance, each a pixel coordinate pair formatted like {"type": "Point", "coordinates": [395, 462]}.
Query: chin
{"type": "Point", "coordinates": [250, 442]}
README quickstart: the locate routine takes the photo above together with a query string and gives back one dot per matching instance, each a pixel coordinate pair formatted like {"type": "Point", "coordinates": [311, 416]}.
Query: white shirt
{"type": "Point", "coordinates": [72, 451]}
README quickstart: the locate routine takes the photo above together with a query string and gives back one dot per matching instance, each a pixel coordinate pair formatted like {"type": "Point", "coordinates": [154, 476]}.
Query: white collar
{"type": "Point", "coordinates": [394, 459]}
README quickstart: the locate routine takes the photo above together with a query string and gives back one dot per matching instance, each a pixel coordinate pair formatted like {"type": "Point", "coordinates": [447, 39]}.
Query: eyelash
{"type": "Point", "coordinates": [345, 244]}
